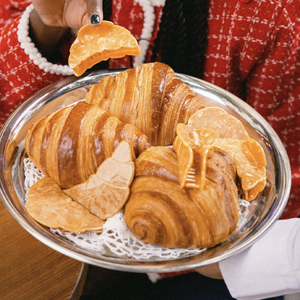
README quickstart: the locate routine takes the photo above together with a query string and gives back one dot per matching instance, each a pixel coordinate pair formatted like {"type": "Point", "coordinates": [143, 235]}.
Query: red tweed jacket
{"type": "Point", "coordinates": [253, 51]}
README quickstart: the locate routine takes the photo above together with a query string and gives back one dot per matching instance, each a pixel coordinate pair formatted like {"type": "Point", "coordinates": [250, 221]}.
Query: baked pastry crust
{"type": "Point", "coordinates": [150, 97]}
{"type": "Point", "coordinates": [159, 212]}
{"type": "Point", "coordinates": [71, 143]}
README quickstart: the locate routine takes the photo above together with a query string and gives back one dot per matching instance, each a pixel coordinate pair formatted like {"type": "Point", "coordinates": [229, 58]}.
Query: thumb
{"type": "Point", "coordinates": [94, 11]}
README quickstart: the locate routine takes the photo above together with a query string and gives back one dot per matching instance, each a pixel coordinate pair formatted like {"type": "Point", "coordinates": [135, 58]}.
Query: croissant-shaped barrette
{"type": "Point", "coordinates": [99, 43]}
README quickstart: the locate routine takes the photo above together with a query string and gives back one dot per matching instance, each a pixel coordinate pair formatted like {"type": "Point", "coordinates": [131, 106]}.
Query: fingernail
{"type": "Point", "coordinates": [95, 19]}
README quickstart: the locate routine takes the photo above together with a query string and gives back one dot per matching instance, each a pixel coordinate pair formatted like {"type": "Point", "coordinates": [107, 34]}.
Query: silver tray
{"type": "Point", "coordinates": [264, 210]}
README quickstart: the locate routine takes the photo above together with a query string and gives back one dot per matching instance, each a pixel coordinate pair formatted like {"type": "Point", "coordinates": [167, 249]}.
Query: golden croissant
{"type": "Point", "coordinates": [150, 97]}
{"type": "Point", "coordinates": [69, 145]}
{"type": "Point", "coordinates": [160, 212]}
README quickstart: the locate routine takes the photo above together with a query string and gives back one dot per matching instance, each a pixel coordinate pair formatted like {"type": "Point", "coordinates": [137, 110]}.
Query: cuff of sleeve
{"type": "Point", "coordinates": [269, 268]}
{"type": "Point", "coordinates": [33, 52]}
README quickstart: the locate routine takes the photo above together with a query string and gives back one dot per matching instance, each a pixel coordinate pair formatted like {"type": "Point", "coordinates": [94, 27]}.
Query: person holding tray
{"type": "Point", "coordinates": [248, 47]}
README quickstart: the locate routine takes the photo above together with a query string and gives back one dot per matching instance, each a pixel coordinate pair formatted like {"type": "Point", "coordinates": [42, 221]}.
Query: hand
{"type": "Point", "coordinates": [50, 20]}
{"type": "Point", "coordinates": [212, 271]}
{"type": "Point", "coordinates": [68, 13]}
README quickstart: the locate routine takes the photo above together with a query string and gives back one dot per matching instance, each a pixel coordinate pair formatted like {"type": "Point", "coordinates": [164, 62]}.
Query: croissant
{"type": "Point", "coordinates": [71, 143]}
{"type": "Point", "coordinates": [150, 97]}
{"type": "Point", "coordinates": [160, 212]}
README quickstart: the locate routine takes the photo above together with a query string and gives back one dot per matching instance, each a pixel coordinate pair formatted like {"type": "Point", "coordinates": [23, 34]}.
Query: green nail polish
{"type": "Point", "coordinates": [95, 19]}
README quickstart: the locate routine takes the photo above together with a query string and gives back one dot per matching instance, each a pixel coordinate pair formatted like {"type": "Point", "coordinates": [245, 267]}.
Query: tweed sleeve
{"type": "Point", "coordinates": [23, 70]}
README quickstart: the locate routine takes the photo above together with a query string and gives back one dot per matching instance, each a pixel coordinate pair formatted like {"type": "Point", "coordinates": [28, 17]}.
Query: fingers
{"type": "Point", "coordinates": [212, 271]}
{"type": "Point", "coordinates": [95, 11]}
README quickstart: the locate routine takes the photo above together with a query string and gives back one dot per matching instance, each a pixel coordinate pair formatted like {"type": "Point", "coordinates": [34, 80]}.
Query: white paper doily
{"type": "Point", "coordinates": [116, 239]}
